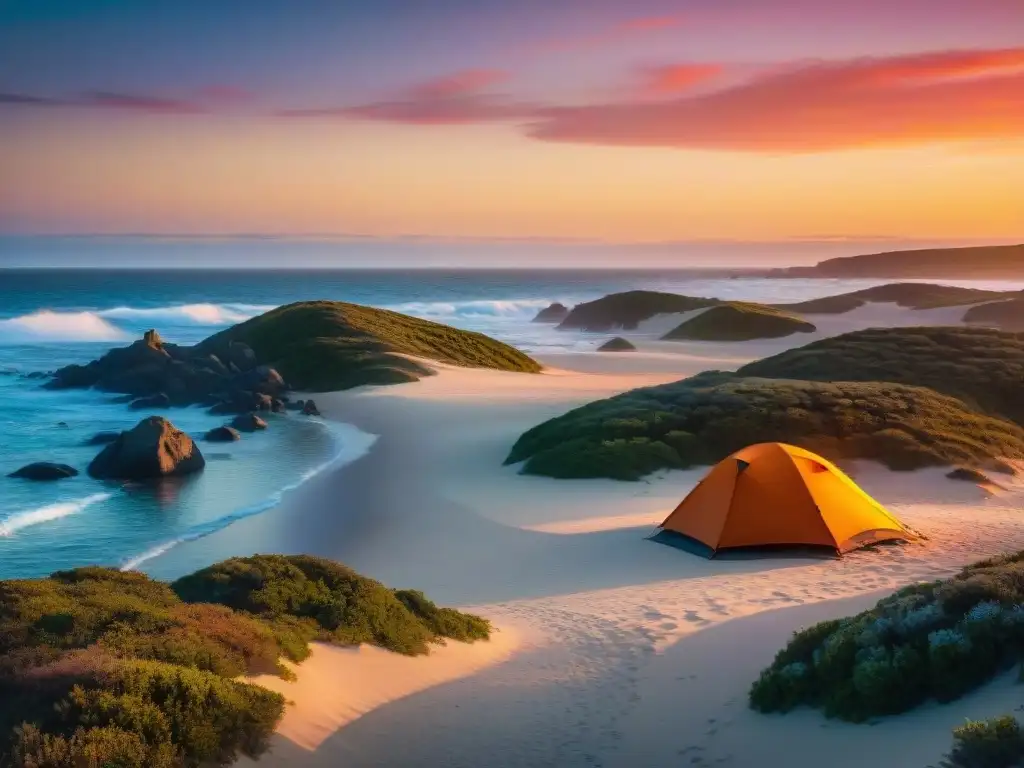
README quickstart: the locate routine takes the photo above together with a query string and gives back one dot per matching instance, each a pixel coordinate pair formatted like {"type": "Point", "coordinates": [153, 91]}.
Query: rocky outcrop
{"type": "Point", "coordinates": [222, 435]}
{"type": "Point", "coordinates": [158, 375]}
{"type": "Point", "coordinates": [102, 438]}
{"type": "Point", "coordinates": [309, 409]}
{"type": "Point", "coordinates": [248, 422]}
{"type": "Point", "coordinates": [159, 400]}
{"type": "Point", "coordinates": [44, 470]}
{"type": "Point", "coordinates": [153, 448]}
{"type": "Point", "coordinates": [618, 344]}
{"type": "Point", "coordinates": [553, 313]}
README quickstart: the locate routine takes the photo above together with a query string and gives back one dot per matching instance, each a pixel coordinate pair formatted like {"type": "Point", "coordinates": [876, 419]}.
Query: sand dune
{"type": "Point", "coordinates": [614, 650]}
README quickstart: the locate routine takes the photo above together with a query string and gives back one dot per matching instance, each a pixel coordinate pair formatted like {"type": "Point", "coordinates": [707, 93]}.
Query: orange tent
{"type": "Point", "coordinates": [772, 495]}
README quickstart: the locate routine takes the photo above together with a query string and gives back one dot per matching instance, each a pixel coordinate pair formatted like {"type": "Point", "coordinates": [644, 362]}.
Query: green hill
{"type": "Point", "coordinates": [910, 295]}
{"type": "Point", "coordinates": [981, 366]}
{"type": "Point", "coordinates": [627, 310]}
{"type": "Point", "coordinates": [104, 668]}
{"type": "Point", "coordinates": [329, 345]}
{"type": "Point", "coordinates": [1007, 315]}
{"type": "Point", "coordinates": [704, 419]}
{"type": "Point", "coordinates": [739, 321]}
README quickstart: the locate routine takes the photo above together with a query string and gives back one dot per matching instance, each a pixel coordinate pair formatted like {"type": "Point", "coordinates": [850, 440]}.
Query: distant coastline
{"type": "Point", "coordinates": [992, 262]}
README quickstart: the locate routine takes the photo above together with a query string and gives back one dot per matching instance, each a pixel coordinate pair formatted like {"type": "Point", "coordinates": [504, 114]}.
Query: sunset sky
{"type": "Point", "coordinates": [647, 120]}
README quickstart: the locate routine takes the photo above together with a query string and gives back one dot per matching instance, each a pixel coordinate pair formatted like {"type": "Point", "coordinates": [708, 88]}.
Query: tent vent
{"type": "Point", "coordinates": [742, 464]}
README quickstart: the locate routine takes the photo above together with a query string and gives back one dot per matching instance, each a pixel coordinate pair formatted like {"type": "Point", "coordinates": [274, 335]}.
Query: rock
{"type": "Point", "coordinates": [278, 406]}
{"type": "Point", "coordinates": [153, 448]}
{"type": "Point", "coordinates": [243, 402]}
{"type": "Point", "coordinates": [262, 379]}
{"type": "Point", "coordinates": [618, 344]}
{"type": "Point", "coordinates": [62, 425]}
{"type": "Point", "coordinates": [296, 405]}
{"type": "Point", "coordinates": [44, 470]}
{"type": "Point", "coordinates": [222, 435]}
{"type": "Point", "coordinates": [103, 438]}
{"type": "Point", "coordinates": [248, 422]}
{"type": "Point", "coordinates": [240, 355]}
{"type": "Point", "coordinates": [553, 313]}
{"type": "Point", "coordinates": [152, 338]}
{"type": "Point", "coordinates": [309, 409]}
{"type": "Point", "coordinates": [159, 400]}
{"type": "Point", "coordinates": [969, 475]}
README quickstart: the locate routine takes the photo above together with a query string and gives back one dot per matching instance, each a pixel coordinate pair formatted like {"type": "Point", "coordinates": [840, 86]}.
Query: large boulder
{"type": "Point", "coordinates": [223, 434]}
{"type": "Point", "coordinates": [618, 344]}
{"type": "Point", "coordinates": [248, 422]}
{"type": "Point", "coordinates": [553, 313]}
{"type": "Point", "coordinates": [309, 408]}
{"type": "Point", "coordinates": [243, 402]}
{"type": "Point", "coordinates": [153, 448]}
{"type": "Point", "coordinates": [262, 379]}
{"type": "Point", "coordinates": [44, 470]}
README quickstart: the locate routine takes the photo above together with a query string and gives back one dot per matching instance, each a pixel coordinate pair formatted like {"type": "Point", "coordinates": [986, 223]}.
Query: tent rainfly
{"type": "Point", "coordinates": [775, 495]}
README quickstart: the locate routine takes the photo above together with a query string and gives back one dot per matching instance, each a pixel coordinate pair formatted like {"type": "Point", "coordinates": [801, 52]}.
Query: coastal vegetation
{"type": "Point", "coordinates": [931, 641]}
{"type": "Point", "coordinates": [704, 419]}
{"type": "Point", "coordinates": [312, 345]}
{"type": "Point", "coordinates": [909, 295]}
{"type": "Point", "coordinates": [100, 667]}
{"type": "Point", "coordinates": [981, 366]}
{"type": "Point", "coordinates": [739, 321]}
{"type": "Point", "coordinates": [321, 346]}
{"type": "Point", "coordinates": [978, 262]}
{"type": "Point", "coordinates": [627, 310]}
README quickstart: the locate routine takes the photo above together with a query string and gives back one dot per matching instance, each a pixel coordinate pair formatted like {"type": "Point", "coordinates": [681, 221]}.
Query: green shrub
{"type": "Point", "coordinates": [704, 419]}
{"type": "Point", "coordinates": [995, 743]}
{"type": "Point", "coordinates": [928, 641]}
{"type": "Point", "coordinates": [103, 668]}
{"type": "Point", "coordinates": [628, 309]}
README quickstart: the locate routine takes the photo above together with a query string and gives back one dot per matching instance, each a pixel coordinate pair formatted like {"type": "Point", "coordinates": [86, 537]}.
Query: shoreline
{"type": "Point", "coordinates": [566, 564]}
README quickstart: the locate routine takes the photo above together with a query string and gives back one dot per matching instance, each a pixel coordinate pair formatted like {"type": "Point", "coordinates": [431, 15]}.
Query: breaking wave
{"type": "Point", "coordinates": [46, 325]}
{"type": "Point", "coordinates": [30, 517]}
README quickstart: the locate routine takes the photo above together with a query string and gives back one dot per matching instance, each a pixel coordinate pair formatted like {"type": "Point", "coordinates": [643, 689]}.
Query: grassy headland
{"type": "Point", "coordinates": [978, 262]}
{"type": "Point", "coordinates": [739, 321]}
{"type": "Point", "coordinates": [329, 345]}
{"type": "Point", "coordinates": [704, 419]}
{"type": "Point", "coordinates": [981, 366]}
{"type": "Point", "coordinates": [909, 295]}
{"type": "Point", "coordinates": [104, 668]}
{"type": "Point", "coordinates": [627, 310]}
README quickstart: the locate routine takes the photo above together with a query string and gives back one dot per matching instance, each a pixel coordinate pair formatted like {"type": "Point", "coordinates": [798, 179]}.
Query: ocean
{"type": "Point", "coordinates": [49, 318]}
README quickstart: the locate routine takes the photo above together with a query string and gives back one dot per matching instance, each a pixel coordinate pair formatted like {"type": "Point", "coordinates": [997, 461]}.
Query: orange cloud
{"type": "Point", "coordinates": [819, 106]}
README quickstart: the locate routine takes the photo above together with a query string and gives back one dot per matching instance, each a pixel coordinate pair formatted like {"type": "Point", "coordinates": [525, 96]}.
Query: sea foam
{"type": "Point", "coordinates": [48, 326]}
{"type": "Point", "coordinates": [30, 517]}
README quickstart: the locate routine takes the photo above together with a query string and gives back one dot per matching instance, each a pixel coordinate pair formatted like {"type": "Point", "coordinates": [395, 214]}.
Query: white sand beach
{"type": "Point", "coordinates": [612, 650]}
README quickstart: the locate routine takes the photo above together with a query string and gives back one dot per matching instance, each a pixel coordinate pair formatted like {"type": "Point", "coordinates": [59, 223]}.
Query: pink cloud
{"type": "Point", "coordinates": [673, 78]}
{"type": "Point", "coordinates": [817, 106]}
{"type": "Point", "coordinates": [138, 103]}
{"type": "Point", "coordinates": [454, 99]}
{"type": "Point", "coordinates": [611, 35]}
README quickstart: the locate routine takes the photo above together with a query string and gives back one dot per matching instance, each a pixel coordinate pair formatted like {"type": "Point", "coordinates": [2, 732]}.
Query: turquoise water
{"type": "Point", "coordinates": [51, 318]}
